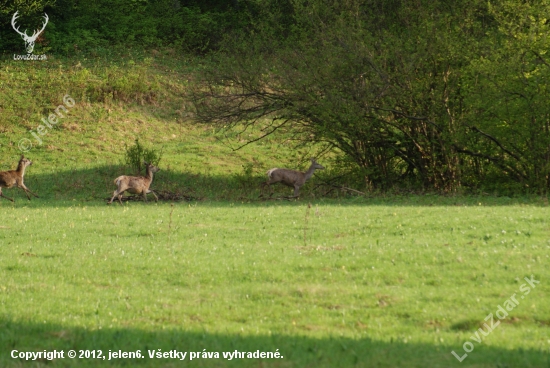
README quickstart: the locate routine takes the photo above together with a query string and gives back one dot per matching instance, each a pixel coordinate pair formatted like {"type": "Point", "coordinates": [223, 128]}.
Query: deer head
{"type": "Point", "coordinates": [29, 40]}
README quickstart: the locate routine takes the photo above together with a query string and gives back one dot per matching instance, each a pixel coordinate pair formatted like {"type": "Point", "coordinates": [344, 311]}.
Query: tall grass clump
{"type": "Point", "coordinates": [136, 154]}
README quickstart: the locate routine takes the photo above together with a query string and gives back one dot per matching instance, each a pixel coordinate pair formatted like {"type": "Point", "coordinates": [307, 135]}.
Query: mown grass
{"type": "Point", "coordinates": [342, 278]}
{"type": "Point", "coordinates": [395, 281]}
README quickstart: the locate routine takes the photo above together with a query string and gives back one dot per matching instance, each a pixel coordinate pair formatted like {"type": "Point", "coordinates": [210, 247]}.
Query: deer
{"type": "Point", "coordinates": [291, 178]}
{"type": "Point", "coordinates": [11, 178]}
{"type": "Point", "coordinates": [135, 184]}
{"type": "Point", "coordinates": [29, 40]}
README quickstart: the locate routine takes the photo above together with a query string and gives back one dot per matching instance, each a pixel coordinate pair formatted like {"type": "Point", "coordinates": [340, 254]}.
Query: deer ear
{"type": "Point", "coordinates": [22, 157]}
{"type": "Point", "coordinates": [145, 163]}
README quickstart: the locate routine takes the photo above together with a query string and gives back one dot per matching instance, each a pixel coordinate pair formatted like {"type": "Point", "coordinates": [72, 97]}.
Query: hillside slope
{"type": "Point", "coordinates": [117, 99]}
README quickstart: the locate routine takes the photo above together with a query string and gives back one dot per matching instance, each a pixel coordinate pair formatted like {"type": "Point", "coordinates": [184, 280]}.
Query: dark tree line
{"type": "Point", "coordinates": [81, 25]}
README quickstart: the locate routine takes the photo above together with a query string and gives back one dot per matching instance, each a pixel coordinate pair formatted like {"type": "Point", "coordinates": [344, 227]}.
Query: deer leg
{"type": "Point", "coordinates": [28, 190]}
{"type": "Point", "coordinates": [2, 195]}
{"type": "Point", "coordinates": [114, 195]}
{"type": "Point", "coordinates": [145, 196]}
{"type": "Point", "coordinates": [119, 192]}
{"type": "Point", "coordinates": [296, 191]}
{"type": "Point", "coordinates": [154, 194]}
{"type": "Point", "coordinates": [27, 194]}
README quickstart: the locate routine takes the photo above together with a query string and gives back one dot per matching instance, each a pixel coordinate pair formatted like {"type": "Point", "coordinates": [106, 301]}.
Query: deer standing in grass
{"type": "Point", "coordinates": [135, 184]}
{"type": "Point", "coordinates": [12, 178]}
{"type": "Point", "coordinates": [291, 178]}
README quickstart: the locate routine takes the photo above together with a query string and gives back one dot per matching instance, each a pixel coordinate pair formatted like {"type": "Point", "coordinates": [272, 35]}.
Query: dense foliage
{"type": "Point", "coordinates": [77, 25]}
{"type": "Point", "coordinates": [434, 95]}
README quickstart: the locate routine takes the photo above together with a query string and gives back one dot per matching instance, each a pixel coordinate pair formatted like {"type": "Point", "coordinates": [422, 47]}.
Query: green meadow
{"type": "Point", "coordinates": [333, 279]}
{"type": "Point", "coordinates": [389, 283]}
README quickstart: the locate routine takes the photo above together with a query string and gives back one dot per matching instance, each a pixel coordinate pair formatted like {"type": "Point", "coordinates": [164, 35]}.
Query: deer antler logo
{"type": "Point", "coordinates": [29, 40]}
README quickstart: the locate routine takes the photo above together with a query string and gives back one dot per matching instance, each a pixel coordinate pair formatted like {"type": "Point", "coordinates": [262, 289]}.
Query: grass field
{"type": "Point", "coordinates": [326, 281]}
{"type": "Point", "coordinates": [395, 283]}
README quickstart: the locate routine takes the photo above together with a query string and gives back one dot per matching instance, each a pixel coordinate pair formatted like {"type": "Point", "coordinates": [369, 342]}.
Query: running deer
{"type": "Point", "coordinates": [12, 178]}
{"type": "Point", "coordinates": [291, 178]}
{"type": "Point", "coordinates": [135, 184]}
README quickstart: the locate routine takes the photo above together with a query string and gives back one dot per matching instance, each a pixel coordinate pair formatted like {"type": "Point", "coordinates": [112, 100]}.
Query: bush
{"type": "Point", "coordinates": [135, 156]}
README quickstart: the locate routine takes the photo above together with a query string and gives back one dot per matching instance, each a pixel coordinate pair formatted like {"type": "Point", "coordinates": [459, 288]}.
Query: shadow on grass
{"type": "Point", "coordinates": [296, 351]}
{"type": "Point", "coordinates": [92, 186]}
